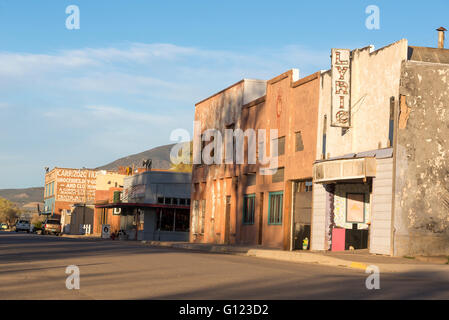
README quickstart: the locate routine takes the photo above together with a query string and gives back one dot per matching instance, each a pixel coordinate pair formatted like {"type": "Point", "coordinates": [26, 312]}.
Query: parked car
{"type": "Point", "coordinates": [23, 225]}
{"type": "Point", "coordinates": [4, 226]}
{"type": "Point", "coordinates": [51, 226]}
{"type": "Point", "coordinates": [37, 227]}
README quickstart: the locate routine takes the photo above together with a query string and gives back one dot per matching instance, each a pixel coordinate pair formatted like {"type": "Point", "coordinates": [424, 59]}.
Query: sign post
{"type": "Point", "coordinates": [105, 231]}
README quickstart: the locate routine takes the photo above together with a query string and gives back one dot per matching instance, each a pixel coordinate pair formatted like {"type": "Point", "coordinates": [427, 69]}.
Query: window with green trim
{"type": "Point", "coordinates": [249, 202]}
{"type": "Point", "coordinates": [275, 207]}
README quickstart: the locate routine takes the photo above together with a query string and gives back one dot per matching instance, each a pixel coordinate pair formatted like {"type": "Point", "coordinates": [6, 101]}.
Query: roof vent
{"type": "Point", "coordinates": [441, 31]}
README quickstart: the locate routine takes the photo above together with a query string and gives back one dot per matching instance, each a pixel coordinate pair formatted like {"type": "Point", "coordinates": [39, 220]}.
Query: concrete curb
{"type": "Point", "coordinates": [82, 237]}
{"type": "Point", "coordinates": [300, 257]}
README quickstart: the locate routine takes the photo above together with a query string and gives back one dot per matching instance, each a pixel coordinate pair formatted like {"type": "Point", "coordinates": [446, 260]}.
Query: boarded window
{"type": "Point", "coordinates": [251, 179]}
{"type": "Point", "coordinates": [278, 176]}
{"type": "Point", "coordinates": [275, 208]}
{"type": "Point", "coordinates": [248, 208]}
{"type": "Point", "coordinates": [195, 214]}
{"type": "Point", "coordinates": [281, 146]}
{"type": "Point", "coordinates": [299, 145]}
{"type": "Point", "coordinates": [202, 216]}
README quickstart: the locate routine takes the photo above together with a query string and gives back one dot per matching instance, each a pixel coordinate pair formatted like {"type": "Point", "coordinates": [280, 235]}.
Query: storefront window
{"type": "Point", "coordinates": [182, 220]}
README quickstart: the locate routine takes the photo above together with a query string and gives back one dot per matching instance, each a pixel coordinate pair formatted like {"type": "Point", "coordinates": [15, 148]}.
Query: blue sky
{"type": "Point", "coordinates": [133, 71]}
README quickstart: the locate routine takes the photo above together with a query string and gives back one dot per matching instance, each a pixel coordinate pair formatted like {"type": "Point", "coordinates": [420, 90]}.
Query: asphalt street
{"type": "Point", "coordinates": [34, 267]}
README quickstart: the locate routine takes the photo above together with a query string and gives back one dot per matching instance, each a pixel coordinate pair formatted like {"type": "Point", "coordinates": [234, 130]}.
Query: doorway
{"type": "Point", "coordinates": [227, 220]}
{"type": "Point", "coordinates": [259, 241]}
{"type": "Point", "coordinates": [302, 213]}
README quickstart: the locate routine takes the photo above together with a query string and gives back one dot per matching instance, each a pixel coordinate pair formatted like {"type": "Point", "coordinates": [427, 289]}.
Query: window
{"type": "Point", "coordinates": [166, 220]}
{"type": "Point", "coordinates": [251, 179]}
{"type": "Point", "coordinates": [275, 207]}
{"type": "Point", "coordinates": [278, 176]}
{"type": "Point", "coordinates": [391, 123]}
{"type": "Point", "coordinates": [281, 146]}
{"type": "Point", "coordinates": [182, 220]}
{"type": "Point", "coordinates": [160, 200]}
{"type": "Point", "coordinates": [309, 186]}
{"type": "Point", "coordinates": [299, 145]}
{"type": "Point", "coordinates": [202, 216]}
{"type": "Point", "coordinates": [195, 213]}
{"type": "Point", "coordinates": [248, 208]}
{"type": "Point", "coordinates": [323, 151]}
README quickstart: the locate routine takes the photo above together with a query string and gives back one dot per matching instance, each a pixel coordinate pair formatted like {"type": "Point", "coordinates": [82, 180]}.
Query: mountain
{"type": "Point", "coordinates": [23, 197]}
{"type": "Point", "coordinates": [160, 156]}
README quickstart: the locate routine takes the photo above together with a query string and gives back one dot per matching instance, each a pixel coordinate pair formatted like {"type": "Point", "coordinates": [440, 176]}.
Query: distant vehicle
{"type": "Point", "coordinates": [37, 227]}
{"type": "Point", "coordinates": [23, 225]}
{"type": "Point", "coordinates": [4, 226]}
{"type": "Point", "coordinates": [51, 226]}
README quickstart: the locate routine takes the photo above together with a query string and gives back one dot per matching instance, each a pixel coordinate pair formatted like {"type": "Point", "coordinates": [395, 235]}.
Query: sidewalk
{"type": "Point", "coordinates": [359, 259]}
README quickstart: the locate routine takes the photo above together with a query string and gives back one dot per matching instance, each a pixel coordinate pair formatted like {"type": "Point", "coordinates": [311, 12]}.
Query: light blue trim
{"type": "Point", "coordinates": [269, 207]}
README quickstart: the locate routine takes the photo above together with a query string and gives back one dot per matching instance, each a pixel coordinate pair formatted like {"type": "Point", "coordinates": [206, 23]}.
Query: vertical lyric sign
{"type": "Point", "coordinates": [341, 88]}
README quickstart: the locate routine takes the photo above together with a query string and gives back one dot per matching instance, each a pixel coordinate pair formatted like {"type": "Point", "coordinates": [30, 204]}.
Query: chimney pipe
{"type": "Point", "coordinates": [441, 31]}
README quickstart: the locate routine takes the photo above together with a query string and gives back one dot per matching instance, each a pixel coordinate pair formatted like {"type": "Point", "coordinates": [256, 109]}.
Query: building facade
{"type": "Point", "coordinates": [381, 181]}
{"type": "Point", "coordinates": [154, 205]}
{"type": "Point", "coordinates": [255, 202]}
{"type": "Point", "coordinates": [64, 187]}
{"type": "Point", "coordinates": [361, 162]}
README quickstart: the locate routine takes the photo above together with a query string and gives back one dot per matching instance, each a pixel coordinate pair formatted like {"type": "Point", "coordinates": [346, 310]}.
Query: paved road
{"type": "Point", "coordinates": [33, 267]}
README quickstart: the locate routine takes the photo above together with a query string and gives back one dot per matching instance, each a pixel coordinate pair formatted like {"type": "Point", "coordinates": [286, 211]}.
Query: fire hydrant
{"type": "Point", "coordinates": [305, 243]}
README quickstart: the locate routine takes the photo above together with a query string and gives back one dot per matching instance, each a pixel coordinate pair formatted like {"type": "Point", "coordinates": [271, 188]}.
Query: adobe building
{"type": "Point", "coordinates": [381, 178]}
{"type": "Point", "coordinates": [241, 203]}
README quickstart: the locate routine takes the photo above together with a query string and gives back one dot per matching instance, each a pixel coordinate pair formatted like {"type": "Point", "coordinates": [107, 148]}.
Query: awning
{"type": "Point", "coordinates": [141, 205]}
{"type": "Point", "coordinates": [344, 169]}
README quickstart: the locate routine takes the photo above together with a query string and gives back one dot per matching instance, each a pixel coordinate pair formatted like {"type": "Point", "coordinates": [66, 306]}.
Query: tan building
{"type": "Point", "coordinates": [241, 203]}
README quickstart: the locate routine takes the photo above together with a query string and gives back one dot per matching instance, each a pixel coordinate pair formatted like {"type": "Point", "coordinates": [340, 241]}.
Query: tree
{"type": "Point", "coordinates": [9, 212]}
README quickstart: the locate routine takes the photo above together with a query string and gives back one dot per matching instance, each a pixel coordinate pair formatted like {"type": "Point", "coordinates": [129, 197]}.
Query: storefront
{"type": "Point", "coordinates": [352, 202]}
{"type": "Point", "coordinates": [158, 222]}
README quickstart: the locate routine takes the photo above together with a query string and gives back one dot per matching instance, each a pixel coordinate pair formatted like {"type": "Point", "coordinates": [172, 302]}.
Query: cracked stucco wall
{"type": "Point", "coordinates": [421, 218]}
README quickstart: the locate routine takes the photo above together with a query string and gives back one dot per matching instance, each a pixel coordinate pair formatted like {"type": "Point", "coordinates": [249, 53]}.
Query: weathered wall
{"type": "Point", "coordinates": [290, 105]}
{"type": "Point", "coordinates": [106, 180]}
{"type": "Point", "coordinates": [374, 79]}
{"type": "Point", "coordinates": [214, 183]}
{"type": "Point", "coordinates": [421, 218]}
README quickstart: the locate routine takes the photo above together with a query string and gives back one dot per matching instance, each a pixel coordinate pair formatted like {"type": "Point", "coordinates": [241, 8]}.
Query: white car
{"type": "Point", "coordinates": [23, 225]}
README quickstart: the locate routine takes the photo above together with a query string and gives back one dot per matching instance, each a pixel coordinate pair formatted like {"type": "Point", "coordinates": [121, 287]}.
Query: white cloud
{"type": "Point", "coordinates": [84, 106]}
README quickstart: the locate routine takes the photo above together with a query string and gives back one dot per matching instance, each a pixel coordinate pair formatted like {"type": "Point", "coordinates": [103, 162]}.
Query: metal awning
{"type": "Point", "coordinates": [344, 169]}
{"type": "Point", "coordinates": [141, 205]}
